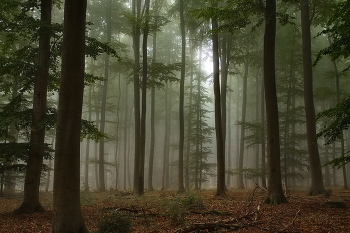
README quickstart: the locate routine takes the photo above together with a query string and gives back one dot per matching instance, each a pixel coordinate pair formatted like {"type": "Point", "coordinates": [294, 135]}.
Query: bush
{"type": "Point", "coordinates": [115, 223]}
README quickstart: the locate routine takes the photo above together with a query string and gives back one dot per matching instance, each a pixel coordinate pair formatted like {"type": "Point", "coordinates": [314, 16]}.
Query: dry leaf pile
{"type": "Point", "coordinates": [202, 211]}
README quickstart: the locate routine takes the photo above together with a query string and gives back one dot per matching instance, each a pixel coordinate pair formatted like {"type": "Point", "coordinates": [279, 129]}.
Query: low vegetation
{"type": "Point", "coordinates": [200, 211]}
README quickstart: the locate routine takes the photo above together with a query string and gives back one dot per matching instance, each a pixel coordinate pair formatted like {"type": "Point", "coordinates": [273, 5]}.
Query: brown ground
{"type": "Point", "coordinates": [240, 211]}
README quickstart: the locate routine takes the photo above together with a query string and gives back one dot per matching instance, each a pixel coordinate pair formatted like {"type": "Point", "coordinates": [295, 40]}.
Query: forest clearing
{"type": "Point", "coordinates": [201, 211]}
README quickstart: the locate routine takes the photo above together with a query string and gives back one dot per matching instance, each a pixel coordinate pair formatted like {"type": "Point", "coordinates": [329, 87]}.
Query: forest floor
{"type": "Point", "coordinates": [202, 211]}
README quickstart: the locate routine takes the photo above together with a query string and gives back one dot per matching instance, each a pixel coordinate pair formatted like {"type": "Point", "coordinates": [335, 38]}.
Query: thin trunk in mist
{"type": "Point", "coordinates": [275, 193]}
{"type": "Point", "coordinates": [189, 124]}
{"type": "Point", "coordinates": [136, 10]}
{"type": "Point", "coordinates": [286, 138]}
{"type": "Point", "coordinates": [225, 61]}
{"type": "Point", "coordinates": [317, 186]}
{"type": "Point", "coordinates": [337, 88]}
{"type": "Point", "coordinates": [244, 113]}
{"type": "Point", "coordinates": [48, 178]}
{"type": "Point", "coordinates": [153, 103]}
{"type": "Point", "coordinates": [181, 187]}
{"type": "Point", "coordinates": [229, 137]}
{"type": "Point", "coordinates": [141, 182]}
{"type": "Point", "coordinates": [263, 139]}
{"type": "Point", "coordinates": [167, 128]}
{"type": "Point", "coordinates": [257, 116]}
{"type": "Point", "coordinates": [87, 150]}
{"type": "Point", "coordinates": [31, 202]}
{"type": "Point", "coordinates": [220, 152]}
{"type": "Point", "coordinates": [101, 159]}
{"type": "Point", "coordinates": [117, 147]}
{"type": "Point", "coordinates": [126, 129]}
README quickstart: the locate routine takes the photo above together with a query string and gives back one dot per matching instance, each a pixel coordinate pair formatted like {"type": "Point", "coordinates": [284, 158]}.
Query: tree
{"type": "Point", "coordinates": [31, 201]}
{"type": "Point", "coordinates": [275, 193]}
{"type": "Point", "coordinates": [317, 186]}
{"type": "Point", "coordinates": [136, 9]}
{"type": "Point", "coordinates": [66, 198]}
{"type": "Point", "coordinates": [181, 187]}
{"type": "Point", "coordinates": [101, 162]}
{"type": "Point", "coordinates": [220, 144]}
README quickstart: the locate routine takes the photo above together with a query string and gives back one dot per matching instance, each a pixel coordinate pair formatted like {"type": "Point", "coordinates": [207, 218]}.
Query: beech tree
{"type": "Point", "coordinates": [66, 197]}
{"type": "Point", "coordinates": [317, 186]}
{"type": "Point", "coordinates": [275, 193]}
{"type": "Point", "coordinates": [31, 201]}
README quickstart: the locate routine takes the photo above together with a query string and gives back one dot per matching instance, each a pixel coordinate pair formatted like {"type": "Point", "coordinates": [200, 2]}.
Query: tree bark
{"type": "Point", "coordinates": [275, 193]}
{"type": "Point", "coordinates": [220, 152]}
{"type": "Point", "coordinates": [31, 201]}
{"type": "Point", "coordinates": [136, 8]}
{"type": "Point", "coordinates": [317, 186]}
{"type": "Point", "coordinates": [66, 197]}
{"type": "Point", "coordinates": [181, 187]}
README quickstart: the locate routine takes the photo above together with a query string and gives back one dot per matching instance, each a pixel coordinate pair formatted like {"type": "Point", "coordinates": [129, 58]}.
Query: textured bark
{"type": "Point", "coordinates": [220, 152]}
{"type": "Point", "coordinates": [66, 197]}
{"type": "Point", "coordinates": [31, 201]}
{"type": "Point", "coordinates": [244, 113]}
{"type": "Point", "coordinates": [181, 187]}
{"type": "Point", "coordinates": [141, 182]}
{"type": "Point", "coordinates": [275, 192]}
{"type": "Point", "coordinates": [317, 186]}
{"type": "Point", "coordinates": [136, 9]}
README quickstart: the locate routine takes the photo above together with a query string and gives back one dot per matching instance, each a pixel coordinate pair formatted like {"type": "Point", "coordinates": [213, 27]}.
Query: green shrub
{"type": "Point", "coordinates": [115, 223]}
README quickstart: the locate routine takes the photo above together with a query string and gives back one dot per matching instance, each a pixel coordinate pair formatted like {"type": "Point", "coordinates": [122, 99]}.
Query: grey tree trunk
{"type": "Point", "coordinates": [317, 186]}
{"type": "Point", "coordinates": [66, 197]}
{"type": "Point", "coordinates": [31, 201]}
{"type": "Point", "coordinates": [181, 187]}
{"type": "Point", "coordinates": [220, 152]}
{"type": "Point", "coordinates": [275, 193]}
{"type": "Point", "coordinates": [136, 9]}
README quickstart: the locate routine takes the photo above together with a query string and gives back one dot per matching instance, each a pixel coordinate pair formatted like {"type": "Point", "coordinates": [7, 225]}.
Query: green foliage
{"type": "Point", "coordinates": [90, 131]}
{"type": "Point", "coordinates": [115, 223]}
{"type": "Point", "coordinates": [338, 27]}
{"type": "Point", "coordinates": [335, 121]}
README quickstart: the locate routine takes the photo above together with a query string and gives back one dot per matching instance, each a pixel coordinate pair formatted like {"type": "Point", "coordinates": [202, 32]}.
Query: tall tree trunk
{"type": "Point", "coordinates": [181, 187]}
{"type": "Point", "coordinates": [220, 152]}
{"type": "Point", "coordinates": [167, 128]}
{"type": "Point", "coordinates": [275, 193]}
{"type": "Point", "coordinates": [31, 201]}
{"type": "Point", "coordinates": [141, 179]}
{"type": "Point", "coordinates": [244, 113]}
{"type": "Point", "coordinates": [101, 160]}
{"type": "Point", "coordinates": [229, 137]}
{"type": "Point", "coordinates": [136, 9]}
{"type": "Point", "coordinates": [125, 132]}
{"type": "Point", "coordinates": [87, 151]}
{"type": "Point", "coordinates": [263, 140]}
{"type": "Point", "coordinates": [317, 186]}
{"type": "Point", "coordinates": [66, 197]}
{"type": "Point", "coordinates": [337, 88]}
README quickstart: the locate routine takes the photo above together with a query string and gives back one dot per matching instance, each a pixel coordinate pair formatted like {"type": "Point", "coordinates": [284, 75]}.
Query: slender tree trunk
{"type": "Point", "coordinates": [263, 140]}
{"type": "Point", "coordinates": [141, 179]}
{"type": "Point", "coordinates": [220, 152]}
{"type": "Point", "coordinates": [66, 197]}
{"type": "Point", "coordinates": [244, 113]}
{"type": "Point", "coordinates": [342, 144]}
{"type": "Point", "coordinates": [275, 193]}
{"type": "Point", "coordinates": [317, 186]}
{"type": "Point", "coordinates": [31, 201]}
{"type": "Point", "coordinates": [136, 9]}
{"type": "Point", "coordinates": [181, 187]}
{"type": "Point", "coordinates": [125, 132]}
{"type": "Point", "coordinates": [153, 102]}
